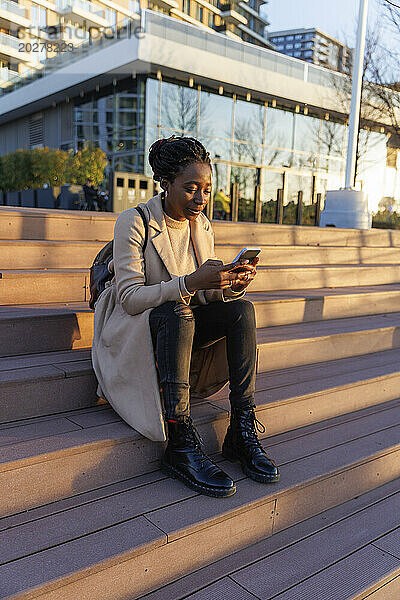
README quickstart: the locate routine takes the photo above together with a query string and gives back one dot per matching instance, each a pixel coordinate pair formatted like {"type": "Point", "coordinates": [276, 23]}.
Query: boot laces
{"type": "Point", "coordinates": [198, 442]}
{"type": "Point", "coordinates": [251, 425]}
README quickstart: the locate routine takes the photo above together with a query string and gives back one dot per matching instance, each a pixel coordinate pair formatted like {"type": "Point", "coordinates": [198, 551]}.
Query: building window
{"type": "Point", "coordinates": [111, 16]}
{"type": "Point", "coordinates": [199, 12]}
{"type": "Point", "coordinates": [134, 6]}
{"type": "Point", "coordinates": [297, 45]}
{"type": "Point", "coordinates": [298, 37]}
{"type": "Point", "coordinates": [289, 46]}
{"type": "Point", "coordinates": [297, 54]}
{"type": "Point", "coordinates": [289, 38]}
{"type": "Point", "coordinates": [38, 16]}
{"type": "Point", "coordinates": [186, 6]}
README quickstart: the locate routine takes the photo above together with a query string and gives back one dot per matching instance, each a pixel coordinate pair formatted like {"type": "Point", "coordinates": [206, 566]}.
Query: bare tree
{"type": "Point", "coordinates": [372, 108]}
{"type": "Point", "coordinates": [180, 105]}
{"type": "Point", "coordinates": [384, 70]}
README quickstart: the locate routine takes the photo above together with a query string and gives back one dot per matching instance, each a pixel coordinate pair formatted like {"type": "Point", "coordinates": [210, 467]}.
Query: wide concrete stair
{"type": "Point", "coordinates": [85, 511]}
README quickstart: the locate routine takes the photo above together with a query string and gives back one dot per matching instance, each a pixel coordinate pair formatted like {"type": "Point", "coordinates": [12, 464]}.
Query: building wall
{"type": "Point", "coordinates": [14, 135]}
{"type": "Point", "coordinates": [52, 127]}
{"type": "Point", "coordinates": [314, 46]}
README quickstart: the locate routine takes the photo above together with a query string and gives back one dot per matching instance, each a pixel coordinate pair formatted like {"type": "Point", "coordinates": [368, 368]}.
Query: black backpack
{"type": "Point", "coordinates": [99, 273]}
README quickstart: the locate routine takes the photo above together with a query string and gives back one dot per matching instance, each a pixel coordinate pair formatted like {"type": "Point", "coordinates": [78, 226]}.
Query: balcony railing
{"type": "Point", "coordinates": [230, 13]}
{"type": "Point", "coordinates": [12, 46]}
{"type": "Point", "coordinates": [168, 28]}
{"type": "Point", "coordinates": [6, 75]}
{"type": "Point", "coordinates": [10, 41]}
{"type": "Point", "coordinates": [65, 5]}
{"type": "Point", "coordinates": [13, 7]}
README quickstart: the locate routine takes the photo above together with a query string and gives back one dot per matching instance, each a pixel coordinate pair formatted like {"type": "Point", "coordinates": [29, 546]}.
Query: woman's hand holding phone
{"type": "Point", "coordinates": [246, 271]}
{"type": "Point", "coordinates": [213, 274]}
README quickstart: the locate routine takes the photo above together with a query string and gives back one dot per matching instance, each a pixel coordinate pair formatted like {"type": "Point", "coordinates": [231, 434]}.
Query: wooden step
{"type": "Point", "coordinates": [46, 224]}
{"type": "Point", "coordinates": [307, 343]}
{"type": "Point", "coordinates": [293, 235]}
{"type": "Point", "coordinates": [41, 286]}
{"type": "Point", "coordinates": [44, 380]}
{"type": "Point", "coordinates": [317, 547]}
{"type": "Point", "coordinates": [313, 532]}
{"type": "Point", "coordinates": [72, 285]}
{"type": "Point", "coordinates": [40, 254]}
{"type": "Point", "coordinates": [313, 255]}
{"type": "Point", "coordinates": [30, 328]}
{"type": "Point", "coordinates": [122, 452]}
{"type": "Point", "coordinates": [33, 330]}
{"type": "Point", "coordinates": [295, 278]}
{"type": "Point", "coordinates": [66, 254]}
{"type": "Point", "coordinates": [46, 383]}
{"type": "Point", "coordinates": [130, 542]}
{"type": "Point", "coordinates": [300, 306]}
{"type": "Point", "coordinates": [291, 398]}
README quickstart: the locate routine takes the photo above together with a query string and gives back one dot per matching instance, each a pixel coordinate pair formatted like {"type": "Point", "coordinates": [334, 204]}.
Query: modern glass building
{"type": "Point", "coordinates": [260, 147]}
{"type": "Point", "coordinates": [271, 123]}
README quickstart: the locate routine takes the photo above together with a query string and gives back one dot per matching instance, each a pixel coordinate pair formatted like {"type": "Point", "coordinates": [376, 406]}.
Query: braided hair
{"type": "Point", "coordinates": [169, 156]}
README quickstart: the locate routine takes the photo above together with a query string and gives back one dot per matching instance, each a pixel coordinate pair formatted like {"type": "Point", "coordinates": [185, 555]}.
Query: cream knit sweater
{"type": "Point", "coordinates": [182, 247]}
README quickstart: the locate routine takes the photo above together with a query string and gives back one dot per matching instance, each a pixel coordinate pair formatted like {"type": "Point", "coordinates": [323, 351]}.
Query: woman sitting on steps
{"type": "Point", "coordinates": [173, 317]}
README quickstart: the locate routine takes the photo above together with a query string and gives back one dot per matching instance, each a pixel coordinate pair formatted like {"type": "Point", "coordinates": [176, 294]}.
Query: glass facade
{"type": "Point", "coordinates": [114, 123]}
{"type": "Point", "coordinates": [256, 149]}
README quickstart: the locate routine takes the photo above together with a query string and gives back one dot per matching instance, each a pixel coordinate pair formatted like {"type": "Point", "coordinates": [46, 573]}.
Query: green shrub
{"type": "Point", "coordinates": [384, 219]}
{"type": "Point", "coordinates": [27, 169]}
{"type": "Point", "coordinates": [88, 163]}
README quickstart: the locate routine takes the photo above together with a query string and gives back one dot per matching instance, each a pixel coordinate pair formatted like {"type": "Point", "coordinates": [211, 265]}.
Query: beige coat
{"type": "Point", "coordinates": [122, 353]}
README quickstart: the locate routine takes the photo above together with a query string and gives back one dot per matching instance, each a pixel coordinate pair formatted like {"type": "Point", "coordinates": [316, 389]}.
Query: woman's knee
{"type": "Point", "coordinates": [176, 314]}
{"type": "Point", "coordinates": [243, 310]}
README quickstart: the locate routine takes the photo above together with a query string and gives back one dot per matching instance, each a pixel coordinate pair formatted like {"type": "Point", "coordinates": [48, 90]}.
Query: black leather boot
{"type": "Point", "coordinates": [185, 459]}
{"type": "Point", "coordinates": [241, 444]}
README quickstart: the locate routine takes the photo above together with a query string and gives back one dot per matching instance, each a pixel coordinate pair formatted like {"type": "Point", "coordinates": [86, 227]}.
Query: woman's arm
{"type": "Point", "coordinates": [227, 294]}
{"type": "Point", "coordinates": [132, 293]}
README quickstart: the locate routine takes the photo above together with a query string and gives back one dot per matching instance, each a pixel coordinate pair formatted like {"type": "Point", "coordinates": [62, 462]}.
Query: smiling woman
{"type": "Point", "coordinates": [173, 318]}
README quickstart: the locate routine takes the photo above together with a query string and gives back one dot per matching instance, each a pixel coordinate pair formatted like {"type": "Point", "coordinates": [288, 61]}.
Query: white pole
{"type": "Point", "coordinates": [356, 94]}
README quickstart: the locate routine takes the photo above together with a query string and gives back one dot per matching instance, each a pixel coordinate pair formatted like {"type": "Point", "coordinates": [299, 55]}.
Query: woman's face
{"type": "Point", "coordinates": [189, 193]}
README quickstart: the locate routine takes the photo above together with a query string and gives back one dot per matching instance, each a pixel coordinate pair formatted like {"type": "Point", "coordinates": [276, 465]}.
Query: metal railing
{"type": "Point", "coordinates": [171, 29]}
{"type": "Point", "coordinates": [9, 40]}
{"type": "Point", "coordinates": [13, 7]}
{"type": "Point", "coordinates": [65, 5]}
{"type": "Point", "coordinates": [8, 75]}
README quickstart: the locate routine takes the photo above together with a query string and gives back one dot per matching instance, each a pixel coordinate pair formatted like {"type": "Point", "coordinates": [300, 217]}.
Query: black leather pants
{"type": "Point", "coordinates": [177, 329]}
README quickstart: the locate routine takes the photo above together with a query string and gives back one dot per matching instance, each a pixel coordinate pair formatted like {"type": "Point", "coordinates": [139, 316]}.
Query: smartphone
{"type": "Point", "coordinates": [247, 253]}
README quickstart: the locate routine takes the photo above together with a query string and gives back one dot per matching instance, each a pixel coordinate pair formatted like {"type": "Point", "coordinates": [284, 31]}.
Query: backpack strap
{"type": "Point", "coordinates": [146, 226]}
{"type": "Point", "coordinates": [146, 235]}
